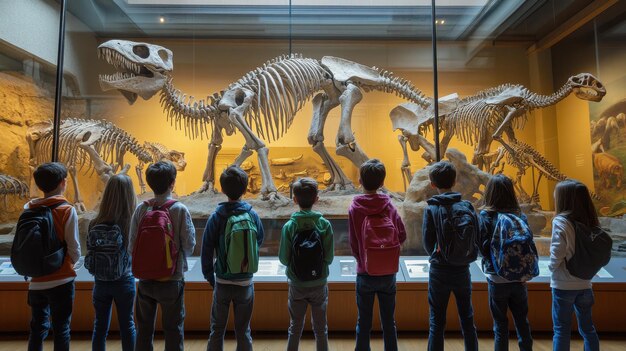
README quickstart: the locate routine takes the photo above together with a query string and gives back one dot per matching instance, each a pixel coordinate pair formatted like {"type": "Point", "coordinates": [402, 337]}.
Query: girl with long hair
{"type": "Point", "coordinates": [108, 258]}
{"type": "Point", "coordinates": [504, 295]}
{"type": "Point", "coordinates": [571, 294]}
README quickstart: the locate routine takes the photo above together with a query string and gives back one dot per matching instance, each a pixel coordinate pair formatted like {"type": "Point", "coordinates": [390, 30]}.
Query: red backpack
{"type": "Point", "coordinates": [382, 244]}
{"type": "Point", "coordinates": [155, 253]}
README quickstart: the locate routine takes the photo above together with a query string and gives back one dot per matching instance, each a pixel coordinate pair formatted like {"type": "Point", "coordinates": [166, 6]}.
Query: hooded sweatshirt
{"type": "Point", "coordinates": [211, 247]}
{"type": "Point", "coordinates": [184, 231]}
{"type": "Point", "coordinates": [66, 227]}
{"type": "Point", "coordinates": [362, 206]}
{"type": "Point", "coordinates": [304, 220]}
{"type": "Point", "coordinates": [429, 229]}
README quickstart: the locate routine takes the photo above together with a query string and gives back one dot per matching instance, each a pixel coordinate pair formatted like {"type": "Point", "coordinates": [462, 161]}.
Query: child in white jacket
{"type": "Point", "coordinates": [570, 294]}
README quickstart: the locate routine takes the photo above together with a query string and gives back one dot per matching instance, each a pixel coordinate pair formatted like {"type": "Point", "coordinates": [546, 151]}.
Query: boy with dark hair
{"type": "Point", "coordinates": [169, 291]}
{"type": "Point", "coordinates": [233, 223]}
{"type": "Point", "coordinates": [52, 295]}
{"type": "Point", "coordinates": [450, 235]}
{"type": "Point", "coordinates": [375, 235]}
{"type": "Point", "coordinates": [307, 249]}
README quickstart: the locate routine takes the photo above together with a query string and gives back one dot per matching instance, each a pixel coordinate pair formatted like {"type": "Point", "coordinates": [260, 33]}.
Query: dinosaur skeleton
{"type": "Point", "coordinates": [93, 145]}
{"type": "Point", "coordinates": [260, 105]}
{"type": "Point", "coordinates": [12, 186]}
{"type": "Point", "coordinates": [480, 119]}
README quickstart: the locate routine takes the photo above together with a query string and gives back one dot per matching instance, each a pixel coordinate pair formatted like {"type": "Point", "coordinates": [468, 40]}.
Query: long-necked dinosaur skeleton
{"type": "Point", "coordinates": [480, 119]}
{"type": "Point", "coordinates": [12, 186]}
{"type": "Point", "coordinates": [260, 105]}
{"type": "Point", "coordinates": [97, 146]}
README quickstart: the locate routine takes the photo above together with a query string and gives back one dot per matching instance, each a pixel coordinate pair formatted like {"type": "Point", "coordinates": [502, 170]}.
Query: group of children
{"type": "Point", "coordinates": [121, 247]}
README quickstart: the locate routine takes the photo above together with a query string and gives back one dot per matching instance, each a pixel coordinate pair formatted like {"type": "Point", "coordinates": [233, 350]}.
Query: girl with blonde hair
{"type": "Point", "coordinates": [108, 259]}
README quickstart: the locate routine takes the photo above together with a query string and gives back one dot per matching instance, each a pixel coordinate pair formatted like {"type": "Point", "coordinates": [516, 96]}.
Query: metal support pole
{"type": "Point", "coordinates": [59, 86]}
{"type": "Point", "coordinates": [435, 80]}
{"type": "Point", "coordinates": [289, 28]}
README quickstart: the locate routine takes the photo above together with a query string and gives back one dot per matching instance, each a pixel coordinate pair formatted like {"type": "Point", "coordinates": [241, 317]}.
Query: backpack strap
{"type": "Point", "coordinates": [166, 205]}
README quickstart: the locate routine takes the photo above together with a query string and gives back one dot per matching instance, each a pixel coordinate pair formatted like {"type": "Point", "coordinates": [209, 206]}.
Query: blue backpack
{"type": "Point", "coordinates": [513, 251]}
{"type": "Point", "coordinates": [107, 257]}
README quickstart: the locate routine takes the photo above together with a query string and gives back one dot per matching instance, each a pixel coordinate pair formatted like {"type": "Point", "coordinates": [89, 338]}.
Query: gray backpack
{"type": "Point", "coordinates": [107, 257]}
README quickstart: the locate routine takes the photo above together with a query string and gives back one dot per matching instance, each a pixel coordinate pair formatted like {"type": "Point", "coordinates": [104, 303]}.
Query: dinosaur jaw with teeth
{"type": "Point", "coordinates": [132, 79]}
{"type": "Point", "coordinates": [589, 94]}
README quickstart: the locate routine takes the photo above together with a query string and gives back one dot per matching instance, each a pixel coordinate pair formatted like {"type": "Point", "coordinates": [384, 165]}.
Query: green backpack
{"type": "Point", "coordinates": [241, 246]}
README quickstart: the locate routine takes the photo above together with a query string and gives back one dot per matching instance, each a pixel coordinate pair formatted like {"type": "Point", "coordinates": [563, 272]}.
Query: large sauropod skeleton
{"type": "Point", "coordinates": [12, 186]}
{"type": "Point", "coordinates": [97, 146]}
{"type": "Point", "coordinates": [260, 105]}
{"type": "Point", "coordinates": [480, 119]}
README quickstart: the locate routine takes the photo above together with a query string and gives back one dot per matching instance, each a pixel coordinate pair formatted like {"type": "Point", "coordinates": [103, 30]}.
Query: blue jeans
{"type": "Point", "coordinates": [367, 287]}
{"type": "Point", "coordinates": [170, 296]}
{"type": "Point", "coordinates": [56, 304]}
{"type": "Point", "coordinates": [564, 302]}
{"type": "Point", "coordinates": [242, 298]}
{"type": "Point", "coordinates": [513, 296]}
{"type": "Point", "coordinates": [123, 293]}
{"type": "Point", "coordinates": [442, 282]}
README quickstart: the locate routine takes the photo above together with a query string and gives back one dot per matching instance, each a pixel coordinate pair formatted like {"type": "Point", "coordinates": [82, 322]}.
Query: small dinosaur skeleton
{"type": "Point", "coordinates": [260, 105]}
{"type": "Point", "coordinates": [480, 119]}
{"type": "Point", "coordinates": [12, 186]}
{"type": "Point", "coordinates": [97, 146]}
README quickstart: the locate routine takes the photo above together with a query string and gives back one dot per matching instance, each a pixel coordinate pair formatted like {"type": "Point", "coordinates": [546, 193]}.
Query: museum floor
{"type": "Point", "coordinates": [338, 342]}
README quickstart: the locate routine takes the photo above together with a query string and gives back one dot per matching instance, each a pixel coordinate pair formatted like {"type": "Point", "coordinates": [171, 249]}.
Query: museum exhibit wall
{"type": "Point", "coordinates": [203, 67]}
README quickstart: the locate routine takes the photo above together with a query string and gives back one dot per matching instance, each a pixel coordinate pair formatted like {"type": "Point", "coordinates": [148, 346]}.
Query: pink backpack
{"type": "Point", "coordinates": [155, 253]}
{"type": "Point", "coordinates": [382, 244]}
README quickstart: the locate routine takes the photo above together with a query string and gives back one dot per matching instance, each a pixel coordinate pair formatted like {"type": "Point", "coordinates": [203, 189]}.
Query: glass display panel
{"type": "Point", "coordinates": [559, 72]}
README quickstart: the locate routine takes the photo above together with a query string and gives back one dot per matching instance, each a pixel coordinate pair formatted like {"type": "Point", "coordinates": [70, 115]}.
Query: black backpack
{"type": "Point", "coordinates": [457, 232]}
{"type": "Point", "coordinates": [36, 250]}
{"type": "Point", "coordinates": [107, 257]}
{"type": "Point", "coordinates": [308, 255]}
{"type": "Point", "coordinates": [592, 251]}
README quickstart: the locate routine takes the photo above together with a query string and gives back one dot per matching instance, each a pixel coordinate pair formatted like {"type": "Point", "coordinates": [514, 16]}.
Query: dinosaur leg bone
{"type": "Point", "coordinates": [236, 113]}
{"type": "Point", "coordinates": [406, 164]}
{"type": "Point", "coordinates": [78, 201]}
{"type": "Point", "coordinates": [208, 178]}
{"type": "Point", "coordinates": [345, 142]}
{"type": "Point", "coordinates": [139, 171]}
{"type": "Point", "coordinates": [104, 170]}
{"type": "Point", "coordinates": [322, 104]}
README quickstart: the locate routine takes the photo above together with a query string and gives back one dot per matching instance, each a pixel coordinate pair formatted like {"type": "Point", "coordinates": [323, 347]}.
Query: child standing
{"type": "Point", "coordinates": [167, 291]}
{"type": "Point", "coordinates": [374, 220]}
{"type": "Point", "coordinates": [450, 236]}
{"type": "Point", "coordinates": [234, 264]}
{"type": "Point", "coordinates": [52, 296]}
{"type": "Point", "coordinates": [307, 249]}
{"type": "Point", "coordinates": [500, 200]}
{"type": "Point", "coordinates": [569, 293]}
{"type": "Point", "coordinates": [107, 241]}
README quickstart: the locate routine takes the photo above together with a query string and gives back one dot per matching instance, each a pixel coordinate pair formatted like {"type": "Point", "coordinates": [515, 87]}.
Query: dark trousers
{"type": "Point", "coordinates": [242, 298]}
{"type": "Point", "coordinates": [170, 295]}
{"type": "Point", "coordinates": [441, 283]}
{"type": "Point", "coordinates": [55, 304]}
{"type": "Point", "coordinates": [513, 296]}
{"type": "Point", "coordinates": [367, 287]}
{"type": "Point", "coordinates": [123, 293]}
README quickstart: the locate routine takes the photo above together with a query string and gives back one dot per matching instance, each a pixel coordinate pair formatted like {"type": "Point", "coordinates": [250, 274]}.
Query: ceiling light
{"type": "Point", "coordinates": [161, 19]}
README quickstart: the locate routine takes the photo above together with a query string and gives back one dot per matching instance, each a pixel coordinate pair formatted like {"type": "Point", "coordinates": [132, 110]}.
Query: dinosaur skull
{"type": "Point", "coordinates": [587, 87]}
{"type": "Point", "coordinates": [178, 159]}
{"type": "Point", "coordinates": [145, 68]}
